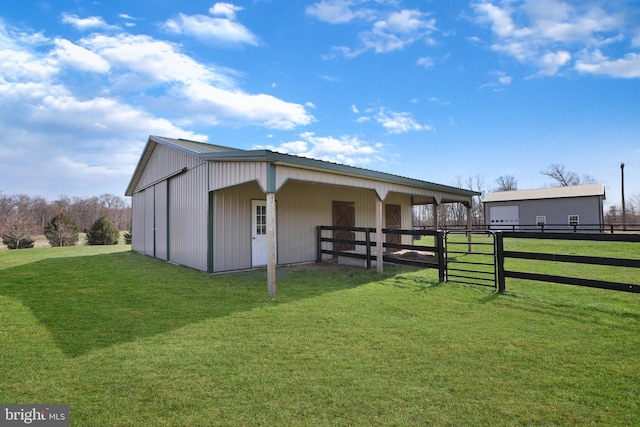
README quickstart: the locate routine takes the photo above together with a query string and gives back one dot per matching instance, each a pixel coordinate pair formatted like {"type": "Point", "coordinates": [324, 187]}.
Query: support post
{"type": "Point", "coordinates": [379, 237]}
{"type": "Point", "coordinates": [442, 262]}
{"type": "Point", "coordinates": [271, 244]}
{"type": "Point", "coordinates": [436, 220]}
{"type": "Point", "coordinates": [469, 224]}
{"type": "Point", "coordinates": [318, 244]}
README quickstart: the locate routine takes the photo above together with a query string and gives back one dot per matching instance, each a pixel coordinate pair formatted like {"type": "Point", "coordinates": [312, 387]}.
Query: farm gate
{"type": "Point", "coordinates": [471, 257]}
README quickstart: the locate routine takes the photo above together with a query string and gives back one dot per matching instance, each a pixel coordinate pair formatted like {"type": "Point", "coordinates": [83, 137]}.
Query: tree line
{"type": "Point", "coordinates": [31, 215]}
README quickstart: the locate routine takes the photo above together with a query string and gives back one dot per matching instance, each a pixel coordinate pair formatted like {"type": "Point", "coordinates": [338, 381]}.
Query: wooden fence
{"type": "Point", "coordinates": [502, 254]}
{"type": "Point", "coordinates": [364, 248]}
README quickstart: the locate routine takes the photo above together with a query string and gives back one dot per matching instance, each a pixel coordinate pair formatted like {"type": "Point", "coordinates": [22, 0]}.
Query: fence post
{"type": "Point", "coordinates": [442, 262]}
{"type": "Point", "coordinates": [319, 243]}
{"type": "Point", "coordinates": [367, 239]}
{"type": "Point", "coordinates": [500, 262]}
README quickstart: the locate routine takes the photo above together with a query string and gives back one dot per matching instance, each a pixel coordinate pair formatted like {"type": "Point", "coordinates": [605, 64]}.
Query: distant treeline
{"type": "Point", "coordinates": [37, 212]}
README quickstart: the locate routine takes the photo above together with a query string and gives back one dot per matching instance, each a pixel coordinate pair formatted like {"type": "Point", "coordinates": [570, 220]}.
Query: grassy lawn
{"type": "Point", "coordinates": [129, 340]}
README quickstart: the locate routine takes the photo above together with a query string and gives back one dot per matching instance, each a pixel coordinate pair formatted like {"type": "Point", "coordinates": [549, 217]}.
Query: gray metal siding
{"type": "Point", "coordinates": [149, 222]}
{"type": "Point", "coordinates": [232, 226]}
{"type": "Point", "coordinates": [556, 211]}
{"type": "Point", "coordinates": [137, 222]}
{"type": "Point", "coordinates": [188, 204]}
{"type": "Point", "coordinates": [229, 174]}
{"type": "Point", "coordinates": [163, 162]}
{"type": "Point", "coordinates": [160, 195]}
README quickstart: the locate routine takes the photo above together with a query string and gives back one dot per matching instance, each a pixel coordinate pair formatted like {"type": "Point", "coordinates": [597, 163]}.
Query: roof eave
{"type": "Point", "coordinates": [288, 159]}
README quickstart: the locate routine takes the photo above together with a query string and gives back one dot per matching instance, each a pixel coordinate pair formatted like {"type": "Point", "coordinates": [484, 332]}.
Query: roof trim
{"type": "Point", "coordinates": [590, 190]}
{"type": "Point", "coordinates": [222, 153]}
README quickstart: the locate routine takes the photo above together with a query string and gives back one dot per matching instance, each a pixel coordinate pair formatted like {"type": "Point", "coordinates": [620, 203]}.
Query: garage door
{"type": "Point", "coordinates": [504, 217]}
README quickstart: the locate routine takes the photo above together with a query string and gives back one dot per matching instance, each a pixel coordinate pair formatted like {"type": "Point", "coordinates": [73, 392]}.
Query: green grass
{"type": "Point", "coordinates": [129, 340]}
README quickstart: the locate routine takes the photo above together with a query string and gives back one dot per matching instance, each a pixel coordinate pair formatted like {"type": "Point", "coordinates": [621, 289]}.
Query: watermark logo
{"type": "Point", "coordinates": [34, 415]}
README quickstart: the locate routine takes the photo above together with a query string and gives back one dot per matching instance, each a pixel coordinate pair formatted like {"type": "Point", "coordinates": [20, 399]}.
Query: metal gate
{"type": "Point", "coordinates": [471, 257]}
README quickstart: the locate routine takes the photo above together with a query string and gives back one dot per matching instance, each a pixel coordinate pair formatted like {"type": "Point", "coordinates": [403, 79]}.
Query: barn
{"type": "Point", "coordinates": [216, 208]}
{"type": "Point", "coordinates": [574, 208]}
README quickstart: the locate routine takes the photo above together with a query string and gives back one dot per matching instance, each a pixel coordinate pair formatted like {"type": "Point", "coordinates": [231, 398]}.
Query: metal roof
{"type": "Point", "coordinates": [590, 190]}
{"type": "Point", "coordinates": [198, 147]}
{"type": "Point", "coordinates": [212, 152]}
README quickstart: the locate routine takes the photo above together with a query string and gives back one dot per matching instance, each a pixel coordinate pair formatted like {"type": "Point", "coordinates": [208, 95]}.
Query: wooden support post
{"type": "Point", "coordinates": [271, 244]}
{"type": "Point", "coordinates": [469, 224]}
{"type": "Point", "coordinates": [436, 220]}
{"type": "Point", "coordinates": [379, 237]}
{"type": "Point", "coordinates": [442, 262]}
{"type": "Point", "coordinates": [318, 244]}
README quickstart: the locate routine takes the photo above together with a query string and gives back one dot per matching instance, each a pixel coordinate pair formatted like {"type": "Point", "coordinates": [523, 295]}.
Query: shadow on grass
{"type": "Point", "coordinates": [92, 302]}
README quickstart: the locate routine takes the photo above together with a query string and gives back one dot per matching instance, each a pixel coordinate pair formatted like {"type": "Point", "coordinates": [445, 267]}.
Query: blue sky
{"type": "Point", "coordinates": [439, 91]}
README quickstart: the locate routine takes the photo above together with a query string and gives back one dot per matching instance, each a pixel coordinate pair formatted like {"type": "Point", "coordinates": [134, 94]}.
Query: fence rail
{"type": "Point", "coordinates": [612, 228]}
{"type": "Point", "coordinates": [392, 252]}
{"type": "Point", "coordinates": [476, 269]}
{"type": "Point", "coordinates": [576, 259]}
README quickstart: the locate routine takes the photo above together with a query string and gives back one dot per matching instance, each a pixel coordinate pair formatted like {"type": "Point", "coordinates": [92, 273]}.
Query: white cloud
{"type": "Point", "coordinates": [596, 63]}
{"type": "Point", "coordinates": [199, 88]}
{"type": "Point", "coordinates": [79, 57]}
{"type": "Point", "coordinates": [403, 122]}
{"type": "Point", "coordinates": [221, 28]}
{"type": "Point", "coordinates": [547, 33]}
{"type": "Point", "coordinates": [390, 30]}
{"type": "Point", "coordinates": [349, 150]}
{"type": "Point", "coordinates": [332, 11]}
{"type": "Point", "coordinates": [83, 24]}
{"type": "Point", "coordinates": [227, 10]}
{"type": "Point", "coordinates": [96, 130]}
{"type": "Point", "coordinates": [551, 62]}
{"type": "Point", "coordinates": [425, 62]}
{"type": "Point", "coordinates": [501, 81]}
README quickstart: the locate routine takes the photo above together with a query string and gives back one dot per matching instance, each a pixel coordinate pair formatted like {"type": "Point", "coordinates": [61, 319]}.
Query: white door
{"type": "Point", "coordinates": [504, 217]}
{"type": "Point", "coordinates": [258, 232]}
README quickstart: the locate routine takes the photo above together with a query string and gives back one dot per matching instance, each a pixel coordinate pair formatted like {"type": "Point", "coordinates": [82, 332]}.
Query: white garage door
{"type": "Point", "coordinates": [504, 217]}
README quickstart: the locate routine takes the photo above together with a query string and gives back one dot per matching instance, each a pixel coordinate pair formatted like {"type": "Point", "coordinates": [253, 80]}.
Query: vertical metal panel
{"type": "Point", "coordinates": [188, 202]}
{"type": "Point", "coordinates": [149, 222]}
{"type": "Point", "coordinates": [229, 174]}
{"type": "Point", "coordinates": [160, 191]}
{"type": "Point", "coordinates": [165, 161]}
{"type": "Point", "coordinates": [284, 173]}
{"type": "Point", "coordinates": [137, 222]}
{"type": "Point", "coordinates": [232, 226]}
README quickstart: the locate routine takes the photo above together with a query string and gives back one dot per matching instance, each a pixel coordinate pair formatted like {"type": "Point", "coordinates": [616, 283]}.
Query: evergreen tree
{"type": "Point", "coordinates": [103, 232]}
{"type": "Point", "coordinates": [61, 230]}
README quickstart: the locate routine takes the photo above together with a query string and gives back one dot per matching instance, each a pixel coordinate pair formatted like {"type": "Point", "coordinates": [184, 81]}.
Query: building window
{"type": "Point", "coordinates": [574, 220]}
{"type": "Point", "coordinates": [261, 220]}
{"type": "Point", "coordinates": [541, 220]}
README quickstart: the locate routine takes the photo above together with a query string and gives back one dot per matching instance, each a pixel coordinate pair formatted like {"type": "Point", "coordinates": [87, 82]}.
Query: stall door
{"type": "Point", "coordinates": [344, 215]}
{"type": "Point", "coordinates": [393, 222]}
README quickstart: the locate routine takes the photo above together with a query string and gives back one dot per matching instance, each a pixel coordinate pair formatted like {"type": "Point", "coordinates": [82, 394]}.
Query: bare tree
{"type": "Point", "coordinates": [506, 183]}
{"type": "Point", "coordinates": [16, 229]}
{"type": "Point", "coordinates": [565, 178]}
